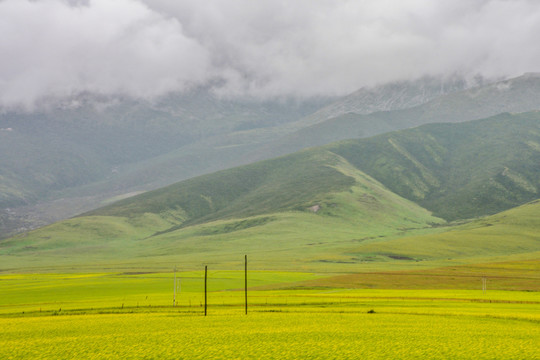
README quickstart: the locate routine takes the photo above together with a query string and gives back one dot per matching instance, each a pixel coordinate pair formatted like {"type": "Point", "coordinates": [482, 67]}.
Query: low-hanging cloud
{"type": "Point", "coordinates": [258, 48]}
{"type": "Point", "coordinates": [55, 48]}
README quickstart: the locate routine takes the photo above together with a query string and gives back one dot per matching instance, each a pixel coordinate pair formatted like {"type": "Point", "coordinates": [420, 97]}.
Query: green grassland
{"type": "Point", "coordinates": [419, 313]}
{"type": "Point", "coordinates": [523, 275]}
{"type": "Point", "coordinates": [512, 233]}
{"type": "Point", "coordinates": [75, 292]}
{"type": "Point", "coordinates": [86, 293]}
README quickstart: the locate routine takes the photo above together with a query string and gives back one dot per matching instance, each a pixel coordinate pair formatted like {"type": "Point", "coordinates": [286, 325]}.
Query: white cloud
{"type": "Point", "coordinates": [261, 48]}
{"type": "Point", "coordinates": [56, 48]}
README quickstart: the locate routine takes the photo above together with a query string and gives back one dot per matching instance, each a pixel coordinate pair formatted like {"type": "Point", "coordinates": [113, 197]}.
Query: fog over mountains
{"type": "Point", "coordinates": [341, 205]}
{"type": "Point", "coordinates": [86, 151]}
{"type": "Point", "coordinates": [148, 48]}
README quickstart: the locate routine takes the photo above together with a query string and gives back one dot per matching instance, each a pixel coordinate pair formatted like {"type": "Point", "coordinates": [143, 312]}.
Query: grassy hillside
{"type": "Point", "coordinates": [513, 234]}
{"type": "Point", "coordinates": [348, 237]}
{"type": "Point", "coordinates": [458, 171]}
{"type": "Point", "coordinates": [287, 213]}
{"type": "Point", "coordinates": [332, 208]}
{"type": "Point", "coordinates": [285, 183]}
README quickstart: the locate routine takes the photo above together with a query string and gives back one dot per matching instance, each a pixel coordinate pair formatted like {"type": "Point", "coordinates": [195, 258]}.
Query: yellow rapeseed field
{"type": "Point", "coordinates": [268, 335]}
{"type": "Point", "coordinates": [120, 316]}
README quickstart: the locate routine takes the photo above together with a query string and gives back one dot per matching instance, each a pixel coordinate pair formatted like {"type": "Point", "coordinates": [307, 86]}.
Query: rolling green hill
{"type": "Point", "coordinates": [285, 183]}
{"type": "Point", "coordinates": [282, 211]}
{"type": "Point", "coordinates": [335, 207]}
{"type": "Point", "coordinates": [458, 171]}
{"type": "Point", "coordinates": [512, 234]}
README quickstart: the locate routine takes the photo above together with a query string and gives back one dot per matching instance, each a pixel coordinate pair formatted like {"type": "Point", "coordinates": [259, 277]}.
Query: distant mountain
{"type": "Point", "coordinates": [324, 203]}
{"type": "Point", "coordinates": [90, 139]}
{"type": "Point", "coordinates": [458, 171]}
{"type": "Point", "coordinates": [80, 153]}
{"type": "Point", "coordinates": [393, 96]}
{"type": "Point", "coordinates": [84, 146]}
{"type": "Point", "coordinates": [516, 95]}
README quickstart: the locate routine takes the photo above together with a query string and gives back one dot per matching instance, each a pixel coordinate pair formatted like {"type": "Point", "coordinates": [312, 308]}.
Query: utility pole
{"type": "Point", "coordinates": [205, 280]}
{"type": "Point", "coordinates": [245, 283]}
{"type": "Point", "coordinates": [174, 291]}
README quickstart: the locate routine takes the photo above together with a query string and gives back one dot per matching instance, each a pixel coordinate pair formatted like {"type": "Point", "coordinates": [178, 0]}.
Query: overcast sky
{"type": "Point", "coordinates": [256, 47]}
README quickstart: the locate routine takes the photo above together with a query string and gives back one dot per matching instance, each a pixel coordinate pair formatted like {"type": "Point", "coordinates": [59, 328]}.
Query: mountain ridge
{"type": "Point", "coordinates": [433, 161]}
{"type": "Point", "coordinates": [63, 176]}
{"type": "Point", "coordinates": [514, 95]}
{"type": "Point", "coordinates": [340, 205]}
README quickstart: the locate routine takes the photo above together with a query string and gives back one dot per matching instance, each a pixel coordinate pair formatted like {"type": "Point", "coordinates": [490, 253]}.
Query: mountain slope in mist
{"type": "Point", "coordinates": [332, 204]}
{"type": "Point", "coordinates": [516, 95]}
{"type": "Point", "coordinates": [92, 149]}
{"type": "Point", "coordinates": [458, 171]}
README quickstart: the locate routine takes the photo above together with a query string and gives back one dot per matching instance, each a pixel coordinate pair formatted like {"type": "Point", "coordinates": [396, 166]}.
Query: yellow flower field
{"type": "Point", "coordinates": [116, 316]}
{"type": "Point", "coordinates": [268, 335]}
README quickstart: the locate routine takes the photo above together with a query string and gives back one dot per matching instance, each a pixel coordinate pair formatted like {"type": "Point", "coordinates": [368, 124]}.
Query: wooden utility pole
{"type": "Point", "coordinates": [205, 280]}
{"type": "Point", "coordinates": [245, 283]}
{"type": "Point", "coordinates": [174, 291]}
